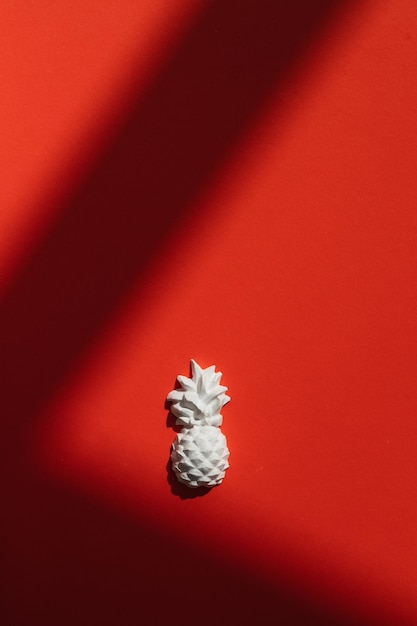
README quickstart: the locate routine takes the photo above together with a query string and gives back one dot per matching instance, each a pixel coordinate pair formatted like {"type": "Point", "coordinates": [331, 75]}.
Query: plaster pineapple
{"type": "Point", "coordinates": [199, 452]}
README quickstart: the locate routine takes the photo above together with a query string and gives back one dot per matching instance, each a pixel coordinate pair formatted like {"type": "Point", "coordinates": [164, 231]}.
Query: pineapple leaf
{"type": "Point", "coordinates": [200, 397]}
{"type": "Point", "coordinates": [216, 378]}
{"type": "Point", "coordinates": [186, 383]}
{"type": "Point", "coordinates": [175, 396]}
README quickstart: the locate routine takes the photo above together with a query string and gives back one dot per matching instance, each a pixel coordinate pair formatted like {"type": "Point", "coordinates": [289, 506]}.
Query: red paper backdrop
{"type": "Point", "coordinates": [234, 183]}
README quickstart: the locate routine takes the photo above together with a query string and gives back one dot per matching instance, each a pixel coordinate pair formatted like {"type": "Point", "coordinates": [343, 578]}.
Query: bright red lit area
{"type": "Point", "coordinates": [232, 183]}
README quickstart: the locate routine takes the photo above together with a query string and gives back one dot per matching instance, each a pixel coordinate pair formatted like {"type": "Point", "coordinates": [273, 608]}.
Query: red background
{"type": "Point", "coordinates": [234, 183]}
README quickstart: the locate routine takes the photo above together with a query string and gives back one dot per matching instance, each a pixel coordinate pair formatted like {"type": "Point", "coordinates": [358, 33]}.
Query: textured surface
{"type": "Point", "coordinates": [200, 456]}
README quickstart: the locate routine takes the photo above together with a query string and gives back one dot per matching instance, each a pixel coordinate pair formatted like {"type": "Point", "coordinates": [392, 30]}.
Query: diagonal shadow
{"type": "Point", "coordinates": [68, 560]}
{"type": "Point", "coordinates": [175, 140]}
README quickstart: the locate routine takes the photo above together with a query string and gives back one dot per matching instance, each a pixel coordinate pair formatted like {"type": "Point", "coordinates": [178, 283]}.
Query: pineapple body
{"type": "Point", "coordinates": [199, 453]}
{"type": "Point", "coordinates": [200, 456]}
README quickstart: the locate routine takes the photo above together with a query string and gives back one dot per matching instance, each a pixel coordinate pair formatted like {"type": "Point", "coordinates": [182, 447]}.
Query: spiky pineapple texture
{"type": "Point", "coordinates": [200, 398]}
{"type": "Point", "coordinates": [200, 456]}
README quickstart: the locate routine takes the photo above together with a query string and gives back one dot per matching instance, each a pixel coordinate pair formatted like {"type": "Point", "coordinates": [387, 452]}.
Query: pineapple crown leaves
{"type": "Point", "coordinates": [199, 398]}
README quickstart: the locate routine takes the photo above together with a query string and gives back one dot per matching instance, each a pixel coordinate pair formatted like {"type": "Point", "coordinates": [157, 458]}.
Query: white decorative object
{"type": "Point", "coordinates": [199, 452]}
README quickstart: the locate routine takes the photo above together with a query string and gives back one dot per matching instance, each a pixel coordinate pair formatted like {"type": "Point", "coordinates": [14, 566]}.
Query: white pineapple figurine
{"type": "Point", "coordinates": [199, 452]}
